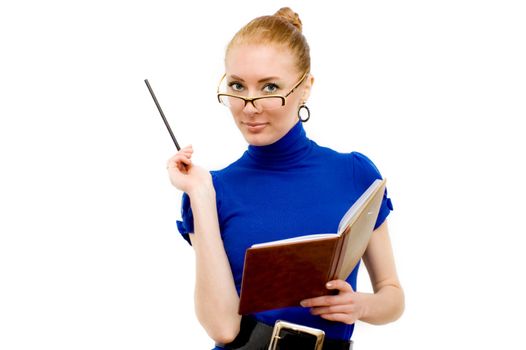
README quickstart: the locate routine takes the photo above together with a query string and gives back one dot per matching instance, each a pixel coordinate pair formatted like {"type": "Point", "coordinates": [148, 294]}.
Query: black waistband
{"type": "Point", "coordinates": [254, 335]}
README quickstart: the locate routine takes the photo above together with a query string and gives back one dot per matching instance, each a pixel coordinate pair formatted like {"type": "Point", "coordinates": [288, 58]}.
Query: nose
{"type": "Point", "coordinates": [251, 107]}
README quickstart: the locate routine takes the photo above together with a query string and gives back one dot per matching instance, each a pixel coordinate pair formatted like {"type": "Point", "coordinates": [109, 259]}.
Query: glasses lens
{"type": "Point", "coordinates": [232, 102]}
{"type": "Point", "coordinates": [269, 103]}
{"type": "Point", "coordinates": [266, 103]}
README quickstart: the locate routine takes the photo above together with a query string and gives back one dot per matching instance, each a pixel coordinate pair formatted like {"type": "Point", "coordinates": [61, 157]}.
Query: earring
{"type": "Point", "coordinates": [303, 106]}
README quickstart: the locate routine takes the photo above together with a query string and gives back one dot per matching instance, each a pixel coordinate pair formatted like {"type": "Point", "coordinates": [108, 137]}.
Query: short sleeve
{"type": "Point", "coordinates": [186, 224]}
{"type": "Point", "coordinates": [365, 173]}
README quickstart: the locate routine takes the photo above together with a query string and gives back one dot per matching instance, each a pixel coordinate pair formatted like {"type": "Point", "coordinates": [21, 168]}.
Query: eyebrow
{"type": "Point", "coordinates": [259, 81]}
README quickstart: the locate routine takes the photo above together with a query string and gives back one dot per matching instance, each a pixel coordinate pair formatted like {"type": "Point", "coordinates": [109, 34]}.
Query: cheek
{"type": "Point", "coordinates": [289, 112]}
{"type": "Point", "coordinates": [279, 117]}
{"type": "Point", "coordinates": [236, 114]}
{"type": "Point", "coordinates": [293, 105]}
{"type": "Point", "coordinates": [283, 117]}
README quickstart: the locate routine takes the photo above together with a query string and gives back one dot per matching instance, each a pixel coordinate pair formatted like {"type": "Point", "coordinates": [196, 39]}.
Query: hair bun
{"type": "Point", "coordinates": [289, 16]}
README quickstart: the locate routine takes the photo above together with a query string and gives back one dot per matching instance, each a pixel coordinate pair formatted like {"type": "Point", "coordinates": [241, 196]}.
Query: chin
{"type": "Point", "coordinates": [256, 141]}
{"type": "Point", "coordinates": [259, 139]}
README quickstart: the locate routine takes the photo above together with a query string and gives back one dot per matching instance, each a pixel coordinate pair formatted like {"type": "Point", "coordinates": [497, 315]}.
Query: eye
{"type": "Point", "coordinates": [271, 88]}
{"type": "Point", "coordinates": [237, 87]}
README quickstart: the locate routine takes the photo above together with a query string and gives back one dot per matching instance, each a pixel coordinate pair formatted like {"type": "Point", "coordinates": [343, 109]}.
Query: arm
{"type": "Point", "coordinates": [216, 299]}
{"type": "Point", "coordinates": [387, 302]}
{"type": "Point", "coordinates": [385, 305]}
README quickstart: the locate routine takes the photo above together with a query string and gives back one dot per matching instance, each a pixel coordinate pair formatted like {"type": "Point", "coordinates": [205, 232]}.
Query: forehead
{"type": "Point", "coordinates": [250, 61]}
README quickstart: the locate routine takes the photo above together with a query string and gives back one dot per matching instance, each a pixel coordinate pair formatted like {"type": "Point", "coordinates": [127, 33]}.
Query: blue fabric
{"type": "Point", "coordinates": [290, 188]}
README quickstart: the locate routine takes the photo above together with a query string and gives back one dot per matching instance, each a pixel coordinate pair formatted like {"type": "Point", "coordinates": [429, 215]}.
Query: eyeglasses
{"type": "Point", "coordinates": [267, 102]}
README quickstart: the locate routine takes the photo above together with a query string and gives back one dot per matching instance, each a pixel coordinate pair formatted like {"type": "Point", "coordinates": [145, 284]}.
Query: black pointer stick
{"type": "Point", "coordinates": [162, 115]}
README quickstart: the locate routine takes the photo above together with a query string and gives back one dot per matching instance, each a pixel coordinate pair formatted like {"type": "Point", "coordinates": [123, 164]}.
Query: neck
{"type": "Point", "coordinates": [284, 152]}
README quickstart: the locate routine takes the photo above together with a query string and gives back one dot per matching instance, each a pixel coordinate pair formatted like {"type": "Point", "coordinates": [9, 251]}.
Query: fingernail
{"type": "Point", "coordinates": [329, 285]}
{"type": "Point", "coordinates": [302, 303]}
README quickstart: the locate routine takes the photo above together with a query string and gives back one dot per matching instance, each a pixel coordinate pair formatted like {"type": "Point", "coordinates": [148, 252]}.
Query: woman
{"type": "Point", "coordinates": [284, 185]}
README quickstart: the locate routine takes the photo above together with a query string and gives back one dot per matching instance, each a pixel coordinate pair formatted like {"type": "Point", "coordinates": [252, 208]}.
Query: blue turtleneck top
{"type": "Point", "coordinates": [290, 188]}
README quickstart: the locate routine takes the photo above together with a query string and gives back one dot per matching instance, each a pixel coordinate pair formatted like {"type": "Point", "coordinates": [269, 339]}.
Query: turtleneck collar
{"type": "Point", "coordinates": [286, 151]}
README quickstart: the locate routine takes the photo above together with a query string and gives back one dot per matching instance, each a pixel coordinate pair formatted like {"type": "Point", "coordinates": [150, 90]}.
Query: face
{"type": "Point", "coordinates": [259, 70]}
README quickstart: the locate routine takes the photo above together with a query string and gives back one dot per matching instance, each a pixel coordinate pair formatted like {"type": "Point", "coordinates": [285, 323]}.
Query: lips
{"type": "Point", "coordinates": [255, 126]}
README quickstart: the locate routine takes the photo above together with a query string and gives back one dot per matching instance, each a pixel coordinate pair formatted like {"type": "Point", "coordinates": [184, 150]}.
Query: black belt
{"type": "Point", "coordinates": [254, 335]}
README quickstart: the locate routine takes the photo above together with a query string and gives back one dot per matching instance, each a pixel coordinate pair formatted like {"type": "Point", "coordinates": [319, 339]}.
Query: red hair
{"type": "Point", "coordinates": [283, 28]}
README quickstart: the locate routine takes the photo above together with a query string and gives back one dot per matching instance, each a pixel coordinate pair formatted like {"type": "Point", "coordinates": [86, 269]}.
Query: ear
{"type": "Point", "coordinates": [306, 89]}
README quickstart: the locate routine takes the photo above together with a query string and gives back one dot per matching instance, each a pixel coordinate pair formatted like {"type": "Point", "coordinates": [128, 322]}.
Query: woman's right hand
{"type": "Point", "coordinates": [187, 176]}
{"type": "Point", "coordinates": [216, 298]}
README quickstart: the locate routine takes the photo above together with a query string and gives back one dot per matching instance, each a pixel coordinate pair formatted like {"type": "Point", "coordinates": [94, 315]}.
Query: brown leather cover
{"type": "Point", "coordinates": [283, 274]}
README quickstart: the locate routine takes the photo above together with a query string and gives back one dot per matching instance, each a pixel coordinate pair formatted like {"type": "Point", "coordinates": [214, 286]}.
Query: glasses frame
{"type": "Point", "coordinates": [252, 99]}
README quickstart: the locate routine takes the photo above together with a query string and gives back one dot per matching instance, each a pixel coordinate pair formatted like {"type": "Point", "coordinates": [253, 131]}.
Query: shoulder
{"type": "Point", "coordinates": [232, 169]}
{"type": "Point", "coordinates": [232, 173]}
{"type": "Point", "coordinates": [362, 165]}
{"type": "Point", "coordinates": [328, 154]}
{"type": "Point", "coordinates": [362, 169]}
{"type": "Point", "coordinates": [357, 162]}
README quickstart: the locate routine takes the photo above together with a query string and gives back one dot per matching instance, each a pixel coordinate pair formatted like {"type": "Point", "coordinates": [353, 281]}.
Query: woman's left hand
{"type": "Point", "coordinates": [347, 306]}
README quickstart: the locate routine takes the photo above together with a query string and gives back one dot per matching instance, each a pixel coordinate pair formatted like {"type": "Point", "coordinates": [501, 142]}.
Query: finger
{"type": "Point", "coordinates": [178, 160]}
{"type": "Point", "coordinates": [183, 167]}
{"type": "Point", "coordinates": [340, 285]}
{"type": "Point", "coordinates": [183, 158]}
{"type": "Point", "coordinates": [186, 148]}
{"type": "Point", "coordinates": [179, 155]}
{"type": "Point", "coordinates": [187, 151]}
{"type": "Point", "coordinates": [343, 308]}
{"type": "Point", "coordinates": [339, 317]}
{"type": "Point", "coordinates": [325, 300]}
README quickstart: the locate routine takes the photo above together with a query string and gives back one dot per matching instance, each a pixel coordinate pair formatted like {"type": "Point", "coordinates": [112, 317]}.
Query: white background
{"type": "Point", "coordinates": [90, 258]}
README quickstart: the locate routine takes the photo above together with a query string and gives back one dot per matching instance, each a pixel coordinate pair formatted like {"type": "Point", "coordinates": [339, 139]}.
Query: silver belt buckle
{"type": "Point", "coordinates": [282, 326]}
